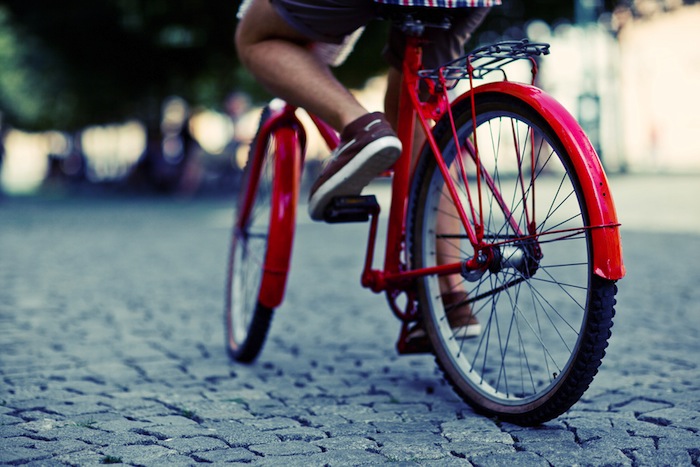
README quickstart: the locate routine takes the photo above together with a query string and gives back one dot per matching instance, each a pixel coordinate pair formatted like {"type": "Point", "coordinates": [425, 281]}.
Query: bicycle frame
{"type": "Point", "coordinates": [502, 242]}
{"type": "Point", "coordinates": [396, 277]}
{"type": "Point", "coordinates": [607, 261]}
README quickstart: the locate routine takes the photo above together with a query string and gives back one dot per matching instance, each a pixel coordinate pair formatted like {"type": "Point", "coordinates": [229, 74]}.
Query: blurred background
{"type": "Point", "coordinates": [147, 96]}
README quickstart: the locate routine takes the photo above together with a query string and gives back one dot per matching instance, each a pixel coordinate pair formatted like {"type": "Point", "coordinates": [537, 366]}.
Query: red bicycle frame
{"type": "Point", "coordinates": [394, 278]}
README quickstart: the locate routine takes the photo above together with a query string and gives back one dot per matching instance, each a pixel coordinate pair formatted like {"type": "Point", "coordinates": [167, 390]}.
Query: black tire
{"type": "Point", "coordinates": [246, 320]}
{"type": "Point", "coordinates": [545, 317]}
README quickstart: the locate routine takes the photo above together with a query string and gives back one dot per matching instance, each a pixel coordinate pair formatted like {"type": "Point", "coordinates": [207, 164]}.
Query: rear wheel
{"type": "Point", "coordinates": [545, 318]}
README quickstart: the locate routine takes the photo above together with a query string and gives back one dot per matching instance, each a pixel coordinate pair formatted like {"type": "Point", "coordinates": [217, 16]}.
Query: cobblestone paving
{"type": "Point", "coordinates": [111, 350]}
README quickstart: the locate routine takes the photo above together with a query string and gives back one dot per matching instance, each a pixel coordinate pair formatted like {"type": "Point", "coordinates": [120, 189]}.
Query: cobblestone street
{"type": "Point", "coordinates": [111, 348]}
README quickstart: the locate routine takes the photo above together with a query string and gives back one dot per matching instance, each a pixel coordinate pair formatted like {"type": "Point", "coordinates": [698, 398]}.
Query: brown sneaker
{"type": "Point", "coordinates": [459, 314]}
{"type": "Point", "coordinates": [368, 146]}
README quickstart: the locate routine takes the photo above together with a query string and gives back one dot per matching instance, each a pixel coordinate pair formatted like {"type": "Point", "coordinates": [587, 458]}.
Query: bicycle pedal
{"type": "Point", "coordinates": [351, 209]}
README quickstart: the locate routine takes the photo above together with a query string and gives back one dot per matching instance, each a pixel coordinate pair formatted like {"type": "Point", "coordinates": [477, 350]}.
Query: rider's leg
{"type": "Point", "coordinates": [440, 47]}
{"type": "Point", "coordinates": [452, 289]}
{"type": "Point", "coordinates": [278, 55]}
{"type": "Point", "coordinates": [273, 42]}
{"type": "Point", "coordinates": [448, 219]}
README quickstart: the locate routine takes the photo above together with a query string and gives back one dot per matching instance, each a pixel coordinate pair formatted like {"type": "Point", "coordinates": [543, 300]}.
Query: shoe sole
{"type": "Point", "coordinates": [376, 157]}
{"type": "Point", "coordinates": [463, 332]}
{"type": "Point", "coordinates": [467, 332]}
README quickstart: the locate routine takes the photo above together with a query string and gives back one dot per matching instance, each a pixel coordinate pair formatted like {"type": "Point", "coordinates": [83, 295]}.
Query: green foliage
{"type": "Point", "coordinates": [24, 65]}
{"type": "Point", "coordinates": [87, 424]}
{"type": "Point", "coordinates": [76, 62]}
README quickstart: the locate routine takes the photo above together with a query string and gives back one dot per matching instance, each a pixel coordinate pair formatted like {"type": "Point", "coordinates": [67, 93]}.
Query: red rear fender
{"type": "Point", "coordinates": [607, 247]}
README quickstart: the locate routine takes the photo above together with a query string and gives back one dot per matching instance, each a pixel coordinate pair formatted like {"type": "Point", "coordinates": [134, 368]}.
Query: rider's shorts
{"type": "Point", "coordinates": [442, 45]}
{"type": "Point", "coordinates": [318, 20]}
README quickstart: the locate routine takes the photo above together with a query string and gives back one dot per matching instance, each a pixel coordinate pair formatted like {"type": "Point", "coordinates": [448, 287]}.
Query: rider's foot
{"type": "Point", "coordinates": [368, 146]}
{"type": "Point", "coordinates": [459, 314]}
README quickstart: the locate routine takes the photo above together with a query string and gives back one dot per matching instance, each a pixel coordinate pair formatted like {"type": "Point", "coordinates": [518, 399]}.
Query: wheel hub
{"type": "Point", "coordinates": [523, 256]}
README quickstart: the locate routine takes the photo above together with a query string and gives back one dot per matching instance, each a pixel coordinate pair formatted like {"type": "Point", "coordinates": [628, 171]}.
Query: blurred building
{"type": "Point", "coordinates": [659, 72]}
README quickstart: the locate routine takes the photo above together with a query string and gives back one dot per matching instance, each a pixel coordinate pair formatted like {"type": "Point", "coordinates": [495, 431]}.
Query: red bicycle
{"type": "Point", "coordinates": [508, 201]}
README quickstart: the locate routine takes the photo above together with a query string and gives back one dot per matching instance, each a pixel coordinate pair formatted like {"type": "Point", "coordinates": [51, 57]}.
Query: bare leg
{"type": "Point", "coordinates": [279, 57]}
{"type": "Point", "coordinates": [448, 219]}
{"type": "Point", "coordinates": [391, 97]}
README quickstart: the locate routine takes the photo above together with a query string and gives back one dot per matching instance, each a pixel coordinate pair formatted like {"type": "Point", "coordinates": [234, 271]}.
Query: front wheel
{"type": "Point", "coordinates": [261, 240]}
{"type": "Point", "coordinates": [540, 317]}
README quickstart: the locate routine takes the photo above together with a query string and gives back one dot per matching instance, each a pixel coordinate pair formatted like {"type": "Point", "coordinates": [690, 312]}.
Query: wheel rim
{"type": "Point", "coordinates": [532, 309]}
{"type": "Point", "coordinates": [241, 306]}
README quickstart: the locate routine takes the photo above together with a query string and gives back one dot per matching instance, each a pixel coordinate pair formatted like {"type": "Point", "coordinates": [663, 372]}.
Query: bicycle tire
{"type": "Point", "coordinates": [545, 317]}
{"type": "Point", "coordinates": [246, 319]}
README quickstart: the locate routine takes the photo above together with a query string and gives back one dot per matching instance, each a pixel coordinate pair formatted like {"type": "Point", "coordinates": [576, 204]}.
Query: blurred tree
{"type": "Point", "coordinates": [90, 62]}
{"type": "Point", "coordinates": [66, 64]}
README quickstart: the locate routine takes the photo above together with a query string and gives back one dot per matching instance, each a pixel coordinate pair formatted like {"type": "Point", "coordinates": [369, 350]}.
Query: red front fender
{"type": "Point", "coordinates": [288, 140]}
{"type": "Point", "coordinates": [607, 247]}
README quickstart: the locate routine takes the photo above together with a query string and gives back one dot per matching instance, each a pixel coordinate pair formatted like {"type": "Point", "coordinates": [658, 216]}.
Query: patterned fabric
{"type": "Point", "coordinates": [442, 3]}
